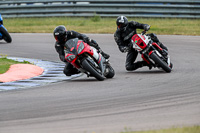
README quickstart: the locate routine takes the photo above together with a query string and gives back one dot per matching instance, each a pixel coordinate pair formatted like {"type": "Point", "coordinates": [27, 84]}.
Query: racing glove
{"type": "Point", "coordinates": [91, 42]}
{"type": "Point", "coordinates": [86, 39]}
{"type": "Point", "coordinates": [124, 49]}
{"type": "Point", "coordinates": [146, 27]}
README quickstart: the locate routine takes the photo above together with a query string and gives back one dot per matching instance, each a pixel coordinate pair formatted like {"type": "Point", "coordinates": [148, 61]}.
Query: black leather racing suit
{"type": "Point", "coordinates": [123, 38]}
{"type": "Point", "coordinates": [69, 69]}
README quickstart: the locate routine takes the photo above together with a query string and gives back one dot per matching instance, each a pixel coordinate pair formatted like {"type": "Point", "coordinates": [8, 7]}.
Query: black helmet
{"type": "Point", "coordinates": [122, 22]}
{"type": "Point", "coordinates": [60, 33]}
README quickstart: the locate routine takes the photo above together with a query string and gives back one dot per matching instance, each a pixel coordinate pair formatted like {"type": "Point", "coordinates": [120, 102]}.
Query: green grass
{"type": "Point", "coordinates": [193, 129]}
{"type": "Point", "coordinates": [96, 24]}
{"type": "Point", "coordinates": [5, 64]}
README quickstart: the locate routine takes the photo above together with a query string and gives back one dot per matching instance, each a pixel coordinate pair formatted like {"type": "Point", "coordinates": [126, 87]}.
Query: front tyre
{"type": "Point", "coordinates": [160, 62]}
{"type": "Point", "coordinates": [92, 70]}
{"type": "Point", "coordinates": [6, 35]}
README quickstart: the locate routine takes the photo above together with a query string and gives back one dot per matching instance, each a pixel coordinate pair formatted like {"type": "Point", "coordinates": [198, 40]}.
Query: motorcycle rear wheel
{"type": "Point", "coordinates": [160, 62]}
{"type": "Point", "coordinates": [6, 35]}
{"type": "Point", "coordinates": [92, 70]}
{"type": "Point", "coordinates": [111, 72]}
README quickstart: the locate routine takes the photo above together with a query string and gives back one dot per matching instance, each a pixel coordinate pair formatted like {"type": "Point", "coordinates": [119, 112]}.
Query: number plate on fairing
{"type": "Point", "coordinates": [135, 46]}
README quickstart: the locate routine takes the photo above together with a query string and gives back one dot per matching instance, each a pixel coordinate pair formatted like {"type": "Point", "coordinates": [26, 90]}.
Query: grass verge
{"type": "Point", "coordinates": [96, 24]}
{"type": "Point", "coordinates": [5, 63]}
{"type": "Point", "coordinates": [193, 129]}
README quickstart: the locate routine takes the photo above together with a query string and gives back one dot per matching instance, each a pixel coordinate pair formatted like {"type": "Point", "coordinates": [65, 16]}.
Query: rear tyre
{"type": "Point", "coordinates": [171, 65]}
{"type": "Point", "coordinates": [111, 72]}
{"type": "Point", "coordinates": [160, 62]}
{"type": "Point", "coordinates": [92, 70]}
{"type": "Point", "coordinates": [6, 35]}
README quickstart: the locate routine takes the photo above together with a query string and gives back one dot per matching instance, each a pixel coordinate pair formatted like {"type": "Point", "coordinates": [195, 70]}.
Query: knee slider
{"type": "Point", "coordinates": [130, 68]}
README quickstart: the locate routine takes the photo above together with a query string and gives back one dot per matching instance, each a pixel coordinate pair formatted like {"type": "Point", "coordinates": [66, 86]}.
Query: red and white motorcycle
{"type": "Point", "coordinates": [151, 52]}
{"type": "Point", "coordinates": [87, 60]}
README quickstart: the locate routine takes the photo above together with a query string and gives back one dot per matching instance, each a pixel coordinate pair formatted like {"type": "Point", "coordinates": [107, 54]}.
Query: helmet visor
{"type": "Point", "coordinates": [60, 37]}
{"type": "Point", "coordinates": [121, 25]}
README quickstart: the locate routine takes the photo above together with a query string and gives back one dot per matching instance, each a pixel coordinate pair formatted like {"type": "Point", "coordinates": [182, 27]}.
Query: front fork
{"type": "Point", "coordinates": [146, 58]}
{"type": "Point", "coordinates": [100, 59]}
{"type": "Point", "coordinates": [154, 48]}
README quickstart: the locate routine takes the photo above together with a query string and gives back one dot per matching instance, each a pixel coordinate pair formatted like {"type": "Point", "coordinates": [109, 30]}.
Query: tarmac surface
{"type": "Point", "coordinates": [140, 100]}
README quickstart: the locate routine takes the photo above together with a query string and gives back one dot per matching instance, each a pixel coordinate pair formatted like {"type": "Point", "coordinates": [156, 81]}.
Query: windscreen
{"type": "Point", "coordinates": [71, 46]}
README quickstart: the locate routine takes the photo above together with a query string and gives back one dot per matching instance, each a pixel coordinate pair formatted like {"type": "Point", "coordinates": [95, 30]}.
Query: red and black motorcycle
{"type": "Point", "coordinates": [151, 52]}
{"type": "Point", "coordinates": [87, 60]}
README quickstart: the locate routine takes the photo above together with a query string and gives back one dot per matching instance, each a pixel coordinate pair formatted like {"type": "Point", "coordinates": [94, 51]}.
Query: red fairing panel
{"type": "Point", "coordinates": [87, 48]}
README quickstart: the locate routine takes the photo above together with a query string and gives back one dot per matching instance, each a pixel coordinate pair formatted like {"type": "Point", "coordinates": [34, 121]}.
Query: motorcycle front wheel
{"type": "Point", "coordinates": [6, 35]}
{"type": "Point", "coordinates": [92, 70]}
{"type": "Point", "coordinates": [160, 62]}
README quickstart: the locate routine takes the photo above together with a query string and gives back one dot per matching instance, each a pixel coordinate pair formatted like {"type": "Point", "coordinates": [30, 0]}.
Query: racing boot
{"type": "Point", "coordinates": [106, 56]}
{"type": "Point", "coordinates": [94, 44]}
{"type": "Point", "coordinates": [144, 63]}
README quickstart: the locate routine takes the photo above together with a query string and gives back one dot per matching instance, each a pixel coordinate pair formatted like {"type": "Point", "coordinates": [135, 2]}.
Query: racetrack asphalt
{"type": "Point", "coordinates": [139, 100]}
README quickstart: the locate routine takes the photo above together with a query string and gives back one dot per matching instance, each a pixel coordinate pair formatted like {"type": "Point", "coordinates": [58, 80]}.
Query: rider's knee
{"type": "Point", "coordinates": [130, 68]}
{"type": "Point", "coordinates": [67, 72]}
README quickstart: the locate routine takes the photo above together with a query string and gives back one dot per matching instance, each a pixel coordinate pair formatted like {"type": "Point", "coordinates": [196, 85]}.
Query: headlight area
{"type": "Point", "coordinates": [70, 57]}
{"type": "Point", "coordinates": [81, 47]}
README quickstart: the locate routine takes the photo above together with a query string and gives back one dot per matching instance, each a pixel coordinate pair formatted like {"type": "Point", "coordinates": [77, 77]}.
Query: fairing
{"type": "Point", "coordinates": [140, 41]}
{"type": "Point", "coordinates": [1, 19]}
{"type": "Point", "coordinates": [75, 47]}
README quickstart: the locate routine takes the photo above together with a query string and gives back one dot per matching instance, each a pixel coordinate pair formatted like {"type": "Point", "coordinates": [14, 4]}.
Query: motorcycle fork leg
{"type": "Point", "coordinates": [99, 60]}
{"type": "Point", "coordinates": [157, 46]}
{"type": "Point", "coordinates": [145, 59]}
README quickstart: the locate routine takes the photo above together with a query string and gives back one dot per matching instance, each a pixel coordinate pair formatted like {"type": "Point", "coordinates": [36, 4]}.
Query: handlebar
{"type": "Point", "coordinates": [147, 27]}
{"type": "Point", "coordinates": [143, 32]}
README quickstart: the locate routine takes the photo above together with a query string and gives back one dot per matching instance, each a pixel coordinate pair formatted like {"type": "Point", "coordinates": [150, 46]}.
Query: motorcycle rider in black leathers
{"type": "Point", "coordinates": [61, 36]}
{"type": "Point", "coordinates": [125, 30]}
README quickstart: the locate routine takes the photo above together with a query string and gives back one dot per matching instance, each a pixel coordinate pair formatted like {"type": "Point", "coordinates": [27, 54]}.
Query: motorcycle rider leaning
{"type": "Point", "coordinates": [125, 30]}
{"type": "Point", "coordinates": [61, 36]}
